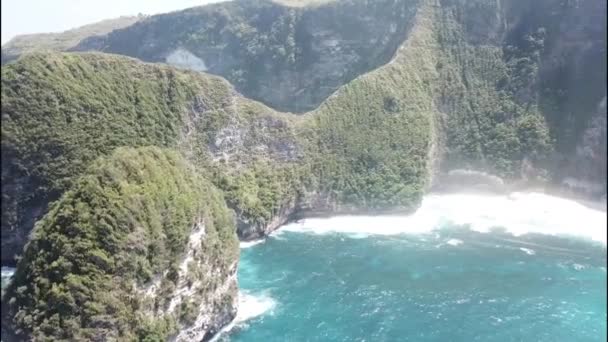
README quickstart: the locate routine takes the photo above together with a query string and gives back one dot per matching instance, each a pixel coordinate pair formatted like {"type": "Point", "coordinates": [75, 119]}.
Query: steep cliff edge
{"type": "Point", "coordinates": [141, 247]}
{"type": "Point", "coordinates": [508, 88]}
{"type": "Point", "coordinates": [63, 40]}
{"type": "Point", "coordinates": [524, 97]}
{"type": "Point", "coordinates": [521, 87]}
{"type": "Point", "coordinates": [492, 86]}
{"type": "Point", "coordinates": [62, 111]}
{"type": "Point", "coordinates": [290, 58]}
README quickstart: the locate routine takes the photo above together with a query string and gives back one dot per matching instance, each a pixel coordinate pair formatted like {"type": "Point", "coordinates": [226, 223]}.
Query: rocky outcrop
{"type": "Point", "coordinates": [200, 311]}
{"type": "Point", "coordinates": [141, 247]}
{"type": "Point", "coordinates": [248, 230]}
{"type": "Point", "coordinates": [290, 58]}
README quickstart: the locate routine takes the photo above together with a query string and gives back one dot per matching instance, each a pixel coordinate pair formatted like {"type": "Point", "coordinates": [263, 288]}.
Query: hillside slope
{"type": "Point", "coordinates": [62, 111]}
{"type": "Point", "coordinates": [499, 62]}
{"type": "Point", "coordinates": [513, 88]}
{"type": "Point", "coordinates": [63, 40]}
{"type": "Point", "coordinates": [141, 247]}
{"type": "Point", "coordinates": [507, 100]}
{"type": "Point", "coordinates": [290, 58]}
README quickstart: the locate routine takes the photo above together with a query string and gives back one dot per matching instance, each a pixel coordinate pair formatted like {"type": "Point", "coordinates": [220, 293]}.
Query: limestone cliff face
{"type": "Point", "coordinates": [520, 87]}
{"type": "Point", "coordinates": [506, 59]}
{"type": "Point", "coordinates": [204, 299]}
{"type": "Point", "coordinates": [570, 84]}
{"type": "Point", "coordinates": [289, 58]}
{"type": "Point", "coordinates": [140, 248]}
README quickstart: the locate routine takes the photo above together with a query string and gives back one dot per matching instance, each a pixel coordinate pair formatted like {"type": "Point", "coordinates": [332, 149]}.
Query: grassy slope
{"type": "Point", "coordinates": [63, 40]}
{"type": "Point", "coordinates": [441, 83]}
{"type": "Point", "coordinates": [374, 134]}
{"type": "Point", "coordinates": [124, 221]}
{"type": "Point", "coordinates": [61, 111]}
{"type": "Point", "coordinates": [368, 146]}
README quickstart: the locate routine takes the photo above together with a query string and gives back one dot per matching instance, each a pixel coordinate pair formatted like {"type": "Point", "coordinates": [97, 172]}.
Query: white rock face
{"type": "Point", "coordinates": [185, 59]}
{"type": "Point", "coordinates": [183, 291]}
{"type": "Point", "coordinates": [197, 331]}
{"type": "Point", "coordinates": [208, 317]}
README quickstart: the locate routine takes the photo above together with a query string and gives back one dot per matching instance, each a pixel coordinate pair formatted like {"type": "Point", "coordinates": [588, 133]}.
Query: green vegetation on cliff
{"type": "Point", "coordinates": [126, 220]}
{"type": "Point", "coordinates": [64, 40]}
{"type": "Point", "coordinates": [62, 111]}
{"type": "Point", "coordinates": [374, 135]}
{"type": "Point", "coordinates": [289, 54]}
{"type": "Point", "coordinates": [474, 84]}
{"type": "Point", "coordinates": [488, 126]}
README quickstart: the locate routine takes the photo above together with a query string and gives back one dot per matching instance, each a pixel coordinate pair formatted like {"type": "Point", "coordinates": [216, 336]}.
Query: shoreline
{"type": "Point", "coordinates": [596, 205]}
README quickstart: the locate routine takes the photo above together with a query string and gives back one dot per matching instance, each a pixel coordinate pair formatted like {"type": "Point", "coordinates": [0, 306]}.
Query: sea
{"type": "Point", "coordinates": [464, 267]}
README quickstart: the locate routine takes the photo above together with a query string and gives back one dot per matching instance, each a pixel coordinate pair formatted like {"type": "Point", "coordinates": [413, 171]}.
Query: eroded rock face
{"type": "Point", "coordinates": [585, 171]}
{"type": "Point", "coordinates": [288, 58]}
{"type": "Point", "coordinates": [211, 309]}
{"type": "Point", "coordinates": [158, 261]}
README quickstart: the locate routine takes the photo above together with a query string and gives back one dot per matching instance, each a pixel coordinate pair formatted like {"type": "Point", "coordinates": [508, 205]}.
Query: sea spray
{"type": "Point", "coordinates": [517, 213]}
{"type": "Point", "coordinates": [429, 287]}
{"type": "Point", "coordinates": [442, 273]}
{"type": "Point", "coordinates": [248, 244]}
{"type": "Point", "coordinates": [250, 306]}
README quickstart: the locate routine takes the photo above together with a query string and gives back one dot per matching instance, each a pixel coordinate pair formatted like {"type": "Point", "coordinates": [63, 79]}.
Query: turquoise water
{"type": "Point", "coordinates": [445, 285]}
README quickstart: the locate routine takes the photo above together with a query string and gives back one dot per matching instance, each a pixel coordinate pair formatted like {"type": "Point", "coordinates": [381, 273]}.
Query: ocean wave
{"type": "Point", "coordinates": [250, 306]}
{"type": "Point", "coordinates": [518, 213]}
{"type": "Point", "coordinates": [527, 250]}
{"type": "Point", "coordinates": [7, 272]}
{"type": "Point", "coordinates": [454, 242]}
{"type": "Point", "coordinates": [247, 244]}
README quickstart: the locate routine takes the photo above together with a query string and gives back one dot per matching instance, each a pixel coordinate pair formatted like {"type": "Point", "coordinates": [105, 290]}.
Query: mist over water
{"type": "Point", "coordinates": [518, 214]}
{"type": "Point", "coordinates": [464, 267]}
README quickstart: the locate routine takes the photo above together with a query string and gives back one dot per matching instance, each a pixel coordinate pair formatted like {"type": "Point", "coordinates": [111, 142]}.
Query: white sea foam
{"type": "Point", "coordinates": [518, 213]}
{"type": "Point", "coordinates": [250, 306]}
{"type": "Point", "coordinates": [578, 267]}
{"type": "Point", "coordinates": [247, 244]}
{"type": "Point", "coordinates": [454, 242]}
{"type": "Point", "coordinates": [527, 251]}
{"type": "Point", "coordinates": [7, 272]}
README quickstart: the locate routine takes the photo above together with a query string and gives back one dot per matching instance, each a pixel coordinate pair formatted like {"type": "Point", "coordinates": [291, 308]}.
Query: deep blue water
{"type": "Point", "coordinates": [448, 285]}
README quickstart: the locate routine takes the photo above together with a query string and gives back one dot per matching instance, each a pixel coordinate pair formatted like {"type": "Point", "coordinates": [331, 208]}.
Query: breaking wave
{"type": "Point", "coordinates": [518, 213]}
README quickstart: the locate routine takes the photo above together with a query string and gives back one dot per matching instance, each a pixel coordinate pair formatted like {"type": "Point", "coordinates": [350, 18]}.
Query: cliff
{"type": "Point", "coordinates": [425, 91]}
{"type": "Point", "coordinates": [520, 90]}
{"type": "Point", "coordinates": [140, 247]}
{"type": "Point", "coordinates": [510, 88]}
{"type": "Point", "coordinates": [64, 40]}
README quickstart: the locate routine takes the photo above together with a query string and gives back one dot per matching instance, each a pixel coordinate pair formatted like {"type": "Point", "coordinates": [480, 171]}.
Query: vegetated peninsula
{"type": "Point", "coordinates": [132, 176]}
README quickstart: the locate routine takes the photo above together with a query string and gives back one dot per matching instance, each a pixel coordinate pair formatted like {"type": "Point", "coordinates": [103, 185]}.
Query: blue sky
{"type": "Point", "coordinates": [35, 16]}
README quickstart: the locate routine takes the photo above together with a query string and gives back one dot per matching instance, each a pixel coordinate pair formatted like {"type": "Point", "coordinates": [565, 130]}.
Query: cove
{"type": "Point", "coordinates": [464, 267]}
